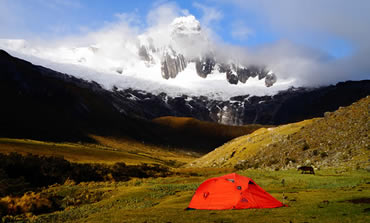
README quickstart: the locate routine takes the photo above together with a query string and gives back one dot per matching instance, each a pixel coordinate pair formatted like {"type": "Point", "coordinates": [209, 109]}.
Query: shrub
{"type": "Point", "coordinates": [315, 152]}
{"type": "Point", "coordinates": [272, 162]}
{"type": "Point", "coordinates": [241, 165]}
{"type": "Point", "coordinates": [323, 154]}
{"type": "Point", "coordinates": [29, 202]}
{"type": "Point", "coordinates": [3, 208]}
{"type": "Point", "coordinates": [287, 160]}
{"type": "Point", "coordinates": [305, 146]}
{"type": "Point", "coordinates": [256, 165]}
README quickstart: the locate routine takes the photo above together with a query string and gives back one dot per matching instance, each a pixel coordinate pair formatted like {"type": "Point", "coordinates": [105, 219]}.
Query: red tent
{"type": "Point", "coordinates": [231, 191]}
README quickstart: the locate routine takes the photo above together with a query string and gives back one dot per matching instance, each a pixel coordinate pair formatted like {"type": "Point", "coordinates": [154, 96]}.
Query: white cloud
{"type": "Point", "coordinates": [210, 14]}
{"type": "Point", "coordinates": [241, 31]}
{"type": "Point", "coordinates": [163, 14]}
{"type": "Point", "coordinates": [322, 20]}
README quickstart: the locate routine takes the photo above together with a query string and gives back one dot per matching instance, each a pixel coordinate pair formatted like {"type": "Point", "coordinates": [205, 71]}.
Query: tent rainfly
{"type": "Point", "coordinates": [231, 191]}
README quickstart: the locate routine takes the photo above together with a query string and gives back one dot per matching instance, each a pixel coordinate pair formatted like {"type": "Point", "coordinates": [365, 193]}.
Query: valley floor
{"type": "Point", "coordinates": [329, 196]}
{"type": "Point", "coordinates": [332, 195]}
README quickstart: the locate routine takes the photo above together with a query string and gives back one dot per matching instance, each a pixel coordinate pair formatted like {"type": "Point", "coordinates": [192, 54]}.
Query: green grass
{"type": "Point", "coordinates": [324, 197]}
{"type": "Point", "coordinates": [311, 198]}
{"type": "Point", "coordinates": [247, 146]}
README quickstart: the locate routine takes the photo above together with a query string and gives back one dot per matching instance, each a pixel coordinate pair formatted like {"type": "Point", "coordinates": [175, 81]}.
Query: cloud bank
{"type": "Point", "coordinates": [324, 21]}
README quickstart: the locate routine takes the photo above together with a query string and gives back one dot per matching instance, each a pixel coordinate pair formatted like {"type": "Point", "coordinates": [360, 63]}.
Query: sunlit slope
{"type": "Point", "coordinates": [108, 151]}
{"type": "Point", "coordinates": [338, 139]}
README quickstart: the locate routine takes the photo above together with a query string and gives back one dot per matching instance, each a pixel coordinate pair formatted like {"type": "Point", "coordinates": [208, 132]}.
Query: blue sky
{"type": "Point", "coordinates": [249, 23]}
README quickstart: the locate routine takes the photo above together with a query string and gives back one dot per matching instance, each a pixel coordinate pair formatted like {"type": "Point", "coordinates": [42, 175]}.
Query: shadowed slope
{"type": "Point", "coordinates": [39, 103]}
{"type": "Point", "coordinates": [190, 131]}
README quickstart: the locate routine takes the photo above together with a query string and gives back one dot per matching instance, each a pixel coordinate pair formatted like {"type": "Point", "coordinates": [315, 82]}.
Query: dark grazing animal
{"type": "Point", "coordinates": [306, 169]}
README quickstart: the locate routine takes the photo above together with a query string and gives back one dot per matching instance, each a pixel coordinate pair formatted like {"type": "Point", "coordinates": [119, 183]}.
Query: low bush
{"type": "Point", "coordinates": [29, 202]}
{"type": "Point", "coordinates": [323, 154]}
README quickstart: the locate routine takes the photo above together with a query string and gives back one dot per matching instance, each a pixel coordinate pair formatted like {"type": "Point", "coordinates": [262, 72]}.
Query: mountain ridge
{"type": "Point", "coordinates": [39, 102]}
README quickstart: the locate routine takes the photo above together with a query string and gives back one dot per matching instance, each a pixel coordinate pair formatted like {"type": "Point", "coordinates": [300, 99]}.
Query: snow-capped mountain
{"type": "Point", "coordinates": [179, 60]}
{"type": "Point", "coordinates": [189, 45]}
{"type": "Point", "coordinates": [35, 94]}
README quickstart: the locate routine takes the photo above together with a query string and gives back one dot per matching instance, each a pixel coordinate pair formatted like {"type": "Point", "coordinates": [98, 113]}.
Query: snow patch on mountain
{"type": "Point", "coordinates": [184, 61]}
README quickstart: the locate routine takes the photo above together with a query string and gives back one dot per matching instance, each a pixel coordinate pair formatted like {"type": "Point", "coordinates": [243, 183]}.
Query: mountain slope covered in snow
{"type": "Point", "coordinates": [179, 60]}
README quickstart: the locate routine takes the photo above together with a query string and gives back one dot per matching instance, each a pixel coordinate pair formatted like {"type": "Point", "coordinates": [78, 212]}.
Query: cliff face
{"type": "Point", "coordinates": [174, 57]}
{"type": "Point", "coordinates": [205, 66]}
{"type": "Point", "coordinates": [172, 63]}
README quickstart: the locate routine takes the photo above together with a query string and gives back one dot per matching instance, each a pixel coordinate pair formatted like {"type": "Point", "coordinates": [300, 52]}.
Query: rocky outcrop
{"type": "Point", "coordinates": [204, 66]}
{"type": "Point", "coordinates": [186, 32]}
{"type": "Point", "coordinates": [239, 74]}
{"type": "Point", "coordinates": [270, 80]}
{"type": "Point", "coordinates": [172, 63]}
{"type": "Point", "coordinates": [231, 78]}
{"type": "Point", "coordinates": [144, 55]}
{"type": "Point", "coordinates": [243, 75]}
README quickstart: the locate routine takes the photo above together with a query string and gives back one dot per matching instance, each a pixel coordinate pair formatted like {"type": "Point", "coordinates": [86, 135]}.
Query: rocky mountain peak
{"type": "Point", "coordinates": [190, 47]}
{"type": "Point", "coordinates": [172, 63]}
{"type": "Point", "coordinates": [182, 47]}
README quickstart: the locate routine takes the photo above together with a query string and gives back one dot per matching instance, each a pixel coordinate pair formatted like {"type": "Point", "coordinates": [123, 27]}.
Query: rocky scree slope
{"type": "Point", "coordinates": [339, 139]}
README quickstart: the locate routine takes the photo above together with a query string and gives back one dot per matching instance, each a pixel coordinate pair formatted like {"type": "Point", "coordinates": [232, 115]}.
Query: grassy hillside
{"type": "Point", "coordinates": [192, 133]}
{"type": "Point", "coordinates": [109, 151]}
{"type": "Point", "coordinates": [338, 139]}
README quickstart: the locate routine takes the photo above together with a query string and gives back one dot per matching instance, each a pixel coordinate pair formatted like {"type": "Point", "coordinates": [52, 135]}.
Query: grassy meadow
{"type": "Point", "coordinates": [328, 196]}
{"type": "Point", "coordinates": [332, 195]}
